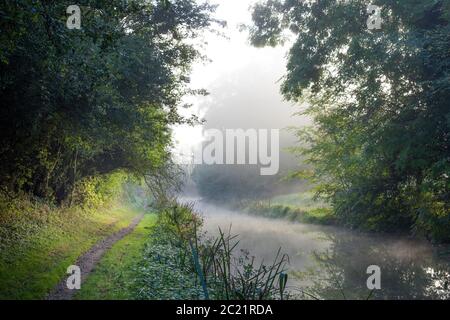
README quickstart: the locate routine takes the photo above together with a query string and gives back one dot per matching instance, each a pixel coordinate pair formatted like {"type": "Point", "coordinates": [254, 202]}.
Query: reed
{"type": "Point", "coordinates": [223, 270]}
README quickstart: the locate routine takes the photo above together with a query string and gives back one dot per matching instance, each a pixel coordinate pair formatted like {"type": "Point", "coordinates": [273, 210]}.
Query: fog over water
{"type": "Point", "coordinates": [332, 262]}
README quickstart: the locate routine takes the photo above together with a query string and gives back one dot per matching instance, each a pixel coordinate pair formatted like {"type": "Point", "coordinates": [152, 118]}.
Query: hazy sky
{"type": "Point", "coordinates": [243, 81]}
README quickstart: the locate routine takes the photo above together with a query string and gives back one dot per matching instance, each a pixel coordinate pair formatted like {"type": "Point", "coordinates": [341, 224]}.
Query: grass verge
{"type": "Point", "coordinates": [113, 278]}
{"type": "Point", "coordinates": [38, 243]}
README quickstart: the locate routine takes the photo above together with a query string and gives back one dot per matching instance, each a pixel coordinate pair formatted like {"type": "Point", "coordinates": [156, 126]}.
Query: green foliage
{"type": "Point", "coordinates": [310, 214]}
{"type": "Point", "coordinates": [39, 241]}
{"type": "Point", "coordinates": [163, 276]}
{"type": "Point", "coordinates": [183, 262]}
{"type": "Point", "coordinates": [304, 200]}
{"type": "Point", "coordinates": [114, 277]}
{"type": "Point", "coordinates": [167, 270]}
{"type": "Point", "coordinates": [98, 191]}
{"type": "Point", "coordinates": [81, 103]}
{"type": "Point", "coordinates": [379, 146]}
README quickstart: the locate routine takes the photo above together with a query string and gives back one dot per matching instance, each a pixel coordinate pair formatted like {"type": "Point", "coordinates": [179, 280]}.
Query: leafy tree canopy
{"type": "Point", "coordinates": [380, 144]}
{"type": "Point", "coordinates": [78, 103]}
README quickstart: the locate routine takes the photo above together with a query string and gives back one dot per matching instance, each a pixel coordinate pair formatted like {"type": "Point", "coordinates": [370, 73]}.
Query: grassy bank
{"type": "Point", "coordinates": [299, 207]}
{"type": "Point", "coordinates": [167, 257]}
{"type": "Point", "coordinates": [144, 265]}
{"type": "Point", "coordinates": [114, 277]}
{"type": "Point", "coordinates": [38, 242]}
{"type": "Point", "coordinates": [182, 261]}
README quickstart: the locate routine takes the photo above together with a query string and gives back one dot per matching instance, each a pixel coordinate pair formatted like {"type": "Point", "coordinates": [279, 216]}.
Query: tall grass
{"type": "Point", "coordinates": [223, 271]}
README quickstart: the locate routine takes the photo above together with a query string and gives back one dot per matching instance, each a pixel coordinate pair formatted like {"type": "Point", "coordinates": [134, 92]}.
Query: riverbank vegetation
{"type": "Point", "coordinates": [182, 262]}
{"type": "Point", "coordinates": [86, 124]}
{"type": "Point", "coordinates": [296, 207]}
{"type": "Point", "coordinates": [87, 114]}
{"type": "Point", "coordinates": [168, 256]}
{"type": "Point", "coordinates": [379, 147]}
{"type": "Point", "coordinates": [39, 240]}
{"type": "Point", "coordinates": [84, 113]}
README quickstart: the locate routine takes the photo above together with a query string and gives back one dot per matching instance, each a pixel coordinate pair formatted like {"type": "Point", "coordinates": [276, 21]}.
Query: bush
{"type": "Point", "coordinates": [97, 191]}
{"type": "Point", "coordinates": [164, 274]}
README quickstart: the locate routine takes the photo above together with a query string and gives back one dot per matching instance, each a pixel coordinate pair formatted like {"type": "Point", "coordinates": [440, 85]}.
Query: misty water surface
{"type": "Point", "coordinates": [331, 262]}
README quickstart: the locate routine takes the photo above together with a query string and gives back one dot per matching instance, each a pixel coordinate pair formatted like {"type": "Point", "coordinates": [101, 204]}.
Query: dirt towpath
{"type": "Point", "coordinates": [88, 261]}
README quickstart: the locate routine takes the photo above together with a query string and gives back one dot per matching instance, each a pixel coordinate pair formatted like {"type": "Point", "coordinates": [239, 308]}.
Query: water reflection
{"type": "Point", "coordinates": [410, 269]}
{"type": "Point", "coordinates": [331, 263]}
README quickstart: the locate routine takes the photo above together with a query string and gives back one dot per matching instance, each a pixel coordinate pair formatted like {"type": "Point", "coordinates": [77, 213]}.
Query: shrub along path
{"type": "Point", "coordinates": [88, 261]}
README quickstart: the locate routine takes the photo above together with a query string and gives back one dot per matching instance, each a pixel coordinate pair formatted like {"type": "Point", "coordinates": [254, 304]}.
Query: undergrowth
{"type": "Point", "coordinates": [182, 262]}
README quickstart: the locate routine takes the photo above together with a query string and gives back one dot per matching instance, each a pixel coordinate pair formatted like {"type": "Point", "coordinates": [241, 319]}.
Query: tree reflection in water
{"type": "Point", "coordinates": [409, 269]}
